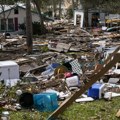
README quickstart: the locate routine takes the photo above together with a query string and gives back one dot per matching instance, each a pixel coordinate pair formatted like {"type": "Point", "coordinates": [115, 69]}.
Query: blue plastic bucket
{"type": "Point", "coordinates": [45, 102]}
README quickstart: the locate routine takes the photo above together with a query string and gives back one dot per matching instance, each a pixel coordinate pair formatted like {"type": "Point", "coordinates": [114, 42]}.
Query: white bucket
{"type": "Point", "coordinates": [73, 81]}
{"type": "Point", "coordinates": [108, 95]}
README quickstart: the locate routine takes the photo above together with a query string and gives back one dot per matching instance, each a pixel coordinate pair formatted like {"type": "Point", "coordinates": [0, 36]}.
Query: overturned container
{"type": "Point", "coordinates": [96, 91]}
{"type": "Point", "coordinates": [43, 102]}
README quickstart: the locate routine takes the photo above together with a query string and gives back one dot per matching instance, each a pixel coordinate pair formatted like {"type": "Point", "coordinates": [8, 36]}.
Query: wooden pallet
{"type": "Point", "coordinates": [97, 74]}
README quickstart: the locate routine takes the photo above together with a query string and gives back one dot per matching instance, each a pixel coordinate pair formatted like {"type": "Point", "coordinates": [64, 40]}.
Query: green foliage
{"type": "Point", "coordinates": [22, 26]}
{"type": "Point", "coordinates": [112, 6]}
{"type": "Point", "coordinates": [9, 2]}
{"type": "Point", "coordinates": [37, 30]}
{"type": "Point", "coordinates": [48, 13]}
{"type": "Point", "coordinates": [96, 110]}
{"type": "Point", "coordinates": [70, 12]}
{"type": "Point", "coordinates": [44, 49]}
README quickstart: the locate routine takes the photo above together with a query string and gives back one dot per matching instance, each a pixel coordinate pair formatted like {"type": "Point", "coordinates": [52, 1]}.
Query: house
{"type": "Point", "coordinates": [14, 16]}
{"type": "Point", "coordinates": [95, 16]}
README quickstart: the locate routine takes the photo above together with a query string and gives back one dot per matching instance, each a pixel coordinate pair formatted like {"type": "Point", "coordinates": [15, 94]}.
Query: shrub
{"type": "Point", "coordinates": [37, 30]}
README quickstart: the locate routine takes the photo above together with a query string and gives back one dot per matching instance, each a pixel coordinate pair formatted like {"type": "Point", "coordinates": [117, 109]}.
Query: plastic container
{"type": "Point", "coordinates": [26, 100]}
{"type": "Point", "coordinates": [96, 90]}
{"type": "Point", "coordinates": [47, 73]}
{"type": "Point", "coordinates": [52, 66]}
{"type": "Point", "coordinates": [50, 70]}
{"type": "Point", "coordinates": [73, 81]}
{"type": "Point", "coordinates": [45, 102]}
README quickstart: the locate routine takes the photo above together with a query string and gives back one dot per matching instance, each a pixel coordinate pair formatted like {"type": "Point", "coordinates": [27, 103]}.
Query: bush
{"type": "Point", "coordinates": [37, 30]}
{"type": "Point", "coordinates": [22, 26]}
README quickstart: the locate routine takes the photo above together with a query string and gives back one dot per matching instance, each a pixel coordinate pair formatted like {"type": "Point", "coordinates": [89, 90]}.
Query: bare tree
{"type": "Point", "coordinates": [37, 3]}
{"type": "Point", "coordinates": [29, 27]}
{"type": "Point", "coordinates": [60, 9]}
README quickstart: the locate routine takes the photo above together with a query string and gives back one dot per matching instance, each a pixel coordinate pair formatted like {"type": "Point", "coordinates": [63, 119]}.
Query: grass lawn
{"type": "Point", "coordinates": [96, 110]}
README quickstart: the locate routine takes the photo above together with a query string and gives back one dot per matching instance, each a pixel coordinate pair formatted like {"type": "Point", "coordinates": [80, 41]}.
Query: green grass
{"type": "Point", "coordinates": [96, 110]}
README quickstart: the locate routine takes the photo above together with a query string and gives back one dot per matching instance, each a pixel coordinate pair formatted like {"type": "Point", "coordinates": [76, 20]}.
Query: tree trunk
{"type": "Point", "coordinates": [60, 10]}
{"type": "Point", "coordinates": [54, 8]}
{"type": "Point", "coordinates": [86, 18]}
{"type": "Point", "coordinates": [43, 30]}
{"type": "Point", "coordinates": [4, 17]}
{"type": "Point", "coordinates": [73, 5]}
{"type": "Point", "coordinates": [29, 27]}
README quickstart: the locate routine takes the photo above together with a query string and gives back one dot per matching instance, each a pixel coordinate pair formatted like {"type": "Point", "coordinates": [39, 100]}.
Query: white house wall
{"type": "Point", "coordinates": [21, 15]}
{"type": "Point", "coordinates": [114, 16]}
{"type": "Point", "coordinates": [35, 17]}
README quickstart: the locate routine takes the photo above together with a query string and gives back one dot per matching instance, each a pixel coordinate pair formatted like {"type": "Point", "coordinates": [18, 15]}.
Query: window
{"type": "Point", "coordinates": [3, 24]}
{"type": "Point", "coordinates": [10, 24]}
{"type": "Point", "coordinates": [16, 11]}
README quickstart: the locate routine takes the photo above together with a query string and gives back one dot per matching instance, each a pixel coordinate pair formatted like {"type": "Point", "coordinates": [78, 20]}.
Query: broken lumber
{"type": "Point", "coordinates": [114, 58]}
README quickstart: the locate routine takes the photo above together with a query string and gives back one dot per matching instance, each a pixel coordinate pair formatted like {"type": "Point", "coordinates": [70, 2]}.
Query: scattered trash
{"type": "Point", "coordinates": [19, 92]}
{"type": "Point", "coordinates": [73, 81]}
{"type": "Point", "coordinates": [108, 96]}
{"type": "Point", "coordinates": [43, 102]}
{"type": "Point", "coordinates": [63, 66]}
{"type": "Point", "coordinates": [96, 91]}
{"type": "Point", "coordinates": [88, 99]}
{"type": "Point", "coordinates": [5, 115]}
{"type": "Point", "coordinates": [118, 114]}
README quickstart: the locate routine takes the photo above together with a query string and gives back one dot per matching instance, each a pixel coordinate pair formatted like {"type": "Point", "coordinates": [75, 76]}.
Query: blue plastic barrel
{"type": "Point", "coordinates": [45, 102]}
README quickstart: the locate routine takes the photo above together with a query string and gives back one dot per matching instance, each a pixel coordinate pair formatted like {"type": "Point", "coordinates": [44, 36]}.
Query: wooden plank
{"type": "Point", "coordinates": [109, 57]}
{"type": "Point", "coordinates": [112, 61]}
{"type": "Point", "coordinates": [63, 47]}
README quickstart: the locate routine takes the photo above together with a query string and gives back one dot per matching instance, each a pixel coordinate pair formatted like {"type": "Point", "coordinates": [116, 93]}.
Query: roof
{"type": "Point", "coordinates": [22, 6]}
{"type": "Point", "coordinates": [10, 7]}
{"type": "Point", "coordinates": [7, 63]}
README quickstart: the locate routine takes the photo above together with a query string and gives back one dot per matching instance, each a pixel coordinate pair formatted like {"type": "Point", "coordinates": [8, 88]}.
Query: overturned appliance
{"type": "Point", "coordinates": [9, 73]}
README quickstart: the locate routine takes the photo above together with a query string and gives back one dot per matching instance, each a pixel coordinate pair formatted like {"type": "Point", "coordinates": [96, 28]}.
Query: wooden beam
{"type": "Point", "coordinates": [113, 59]}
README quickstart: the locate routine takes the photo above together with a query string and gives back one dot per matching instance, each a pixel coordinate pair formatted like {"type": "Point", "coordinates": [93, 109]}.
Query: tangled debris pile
{"type": "Point", "coordinates": [62, 62]}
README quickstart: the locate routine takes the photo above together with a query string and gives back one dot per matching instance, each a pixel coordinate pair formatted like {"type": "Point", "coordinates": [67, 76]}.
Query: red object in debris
{"type": "Point", "coordinates": [68, 74]}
